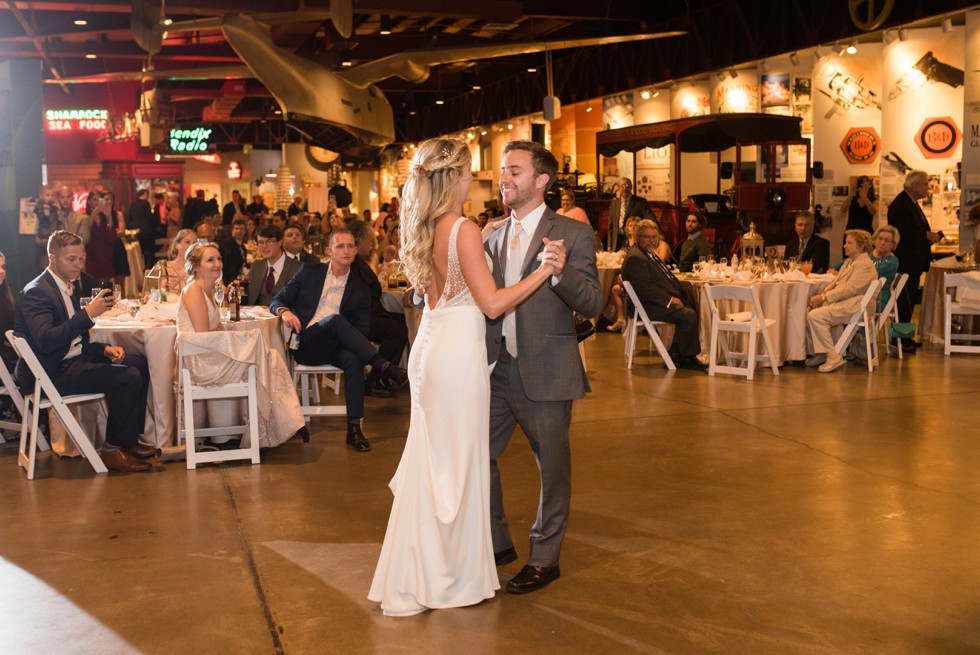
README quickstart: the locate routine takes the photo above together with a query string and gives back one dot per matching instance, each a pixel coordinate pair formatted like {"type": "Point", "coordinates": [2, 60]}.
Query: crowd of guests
{"type": "Point", "coordinates": [338, 318]}
{"type": "Point", "coordinates": [333, 300]}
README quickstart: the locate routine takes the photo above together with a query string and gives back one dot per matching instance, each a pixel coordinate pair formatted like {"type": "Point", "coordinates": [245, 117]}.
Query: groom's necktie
{"type": "Point", "coordinates": [512, 275]}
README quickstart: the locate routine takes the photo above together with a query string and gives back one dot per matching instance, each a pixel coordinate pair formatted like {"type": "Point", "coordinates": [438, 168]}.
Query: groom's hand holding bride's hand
{"type": "Point", "coordinates": [554, 256]}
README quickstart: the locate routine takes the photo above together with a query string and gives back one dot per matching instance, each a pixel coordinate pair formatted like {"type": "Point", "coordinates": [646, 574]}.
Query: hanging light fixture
{"type": "Point", "coordinates": [852, 47]}
{"type": "Point", "coordinates": [385, 25]}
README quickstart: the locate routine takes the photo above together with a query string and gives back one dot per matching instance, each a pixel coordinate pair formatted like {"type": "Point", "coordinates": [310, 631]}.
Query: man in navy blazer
{"type": "Point", "coordinates": [814, 248]}
{"type": "Point", "coordinates": [329, 309]}
{"type": "Point", "coordinates": [662, 295]}
{"type": "Point", "coordinates": [49, 317]}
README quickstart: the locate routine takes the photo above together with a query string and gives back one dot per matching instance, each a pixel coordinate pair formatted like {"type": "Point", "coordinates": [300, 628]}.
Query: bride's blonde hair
{"type": "Point", "coordinates": [432, 190]}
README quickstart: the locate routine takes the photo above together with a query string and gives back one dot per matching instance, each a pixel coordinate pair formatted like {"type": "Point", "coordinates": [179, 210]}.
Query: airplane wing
{"type": "Point", "coordinates": [413, 65]}
{"type": "Point", "coordinates": [239, 71]}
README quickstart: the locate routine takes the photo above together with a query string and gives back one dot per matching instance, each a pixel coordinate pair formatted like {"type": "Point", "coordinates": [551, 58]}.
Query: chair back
{"type": "Point", "coordinates": [43, 382]}
{"type": "Point", "coordinates": [637, 305]}
{"type": "Point", "coordinates": [7, 379]}
{"type": "Point", "coordinates": [954, 282]}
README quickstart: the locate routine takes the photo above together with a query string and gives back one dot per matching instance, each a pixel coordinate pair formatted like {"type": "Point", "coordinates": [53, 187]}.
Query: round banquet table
{"type": "Point", "coordinates": [932, 310]}
{"type": "Point", "coordinates": [156, 341]}
{"type": "Point", "coordinates": [786, 302]}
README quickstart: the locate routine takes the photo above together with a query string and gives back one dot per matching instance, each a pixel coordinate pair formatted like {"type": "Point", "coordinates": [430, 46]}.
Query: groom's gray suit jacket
{"type": "Point", "coordinates": [548, 357]}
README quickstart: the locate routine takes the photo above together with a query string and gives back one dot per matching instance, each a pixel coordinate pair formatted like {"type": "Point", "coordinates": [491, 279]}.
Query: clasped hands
{"type": "Point", "coordinates": [553, 256]}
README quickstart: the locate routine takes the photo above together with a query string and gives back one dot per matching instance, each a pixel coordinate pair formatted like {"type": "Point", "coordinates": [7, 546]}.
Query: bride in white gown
{"type": "Point", "coordinates": [437, 551]}
{"type": "Point", "coordinates": [280, 413]}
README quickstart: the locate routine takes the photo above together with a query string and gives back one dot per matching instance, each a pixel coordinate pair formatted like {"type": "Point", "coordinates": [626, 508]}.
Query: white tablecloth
{"type": "Point", "coordinates": [155, 342]}
{"type": "Point", "coordinates": [786, 302]}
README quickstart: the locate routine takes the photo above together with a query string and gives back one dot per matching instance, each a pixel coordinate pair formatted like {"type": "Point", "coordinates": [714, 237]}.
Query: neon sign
{"type": "Point", "coordinates": [77, 120]}
{"type": "Point", "coordinates": [194, 140]}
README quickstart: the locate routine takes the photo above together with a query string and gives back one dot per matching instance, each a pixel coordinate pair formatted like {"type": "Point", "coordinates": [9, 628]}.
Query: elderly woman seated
{"type": "Point", "coordinates": [839, 301]}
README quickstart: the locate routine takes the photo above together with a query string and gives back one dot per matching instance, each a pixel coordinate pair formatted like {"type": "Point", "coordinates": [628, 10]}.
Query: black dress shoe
{"type": "Point", "coordinates": [356, 440]}
{"type": "Point", "coordinates": [690, 364]}
{"type": "Point", "coordinates": [532, 578]}
{"type": "Point", "coordinates": [394, 377]}
{"type": "Point", "coordinates": [376, 388]}
{"type": "Point", "coordinates": [303, 433]}
{"type": "Point", "coordinates": [505, 556]}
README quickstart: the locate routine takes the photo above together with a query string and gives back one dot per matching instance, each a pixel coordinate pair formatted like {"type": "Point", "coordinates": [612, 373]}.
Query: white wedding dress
{"type": "Point", "coordinates": [280, 413]}
{"type": "Point", "coordinates": [437, 552]}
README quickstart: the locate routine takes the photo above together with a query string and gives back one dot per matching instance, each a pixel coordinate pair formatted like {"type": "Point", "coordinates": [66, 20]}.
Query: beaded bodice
{"type": "Point", "coordinates": [456, 293]}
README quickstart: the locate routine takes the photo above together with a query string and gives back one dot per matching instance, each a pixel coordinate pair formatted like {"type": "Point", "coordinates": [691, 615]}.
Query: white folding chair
{"type": "Point", "coordinates": [189, 391]}
{"type": "Point", "coordinates": [305, 377]}
{"type": "Point", "coordinates": [889, 315]}
{"type": "Point", "coordinates": [958, 291]}
{"type": "Point", "coordinates": [46, 396]}
{"type": "Point", "coordinates": [864, 317]}
{"type": "Point", "coordinates": [751, 323]}
{"type": "Point", "coordinates": [640, 314]}
{"type": "Point", "coordinates": [9, 388]}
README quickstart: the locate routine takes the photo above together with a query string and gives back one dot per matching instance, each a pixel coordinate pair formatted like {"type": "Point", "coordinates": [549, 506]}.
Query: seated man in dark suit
{"type": "Point", "coordinates": [695, 245]}
{"type": "Point", "coordinates": [662, 295]}
{"type": "Point", "coordinates": [49, 316]}
{"type": "Point", "coordinates": [329, 310]}
{"type": "Point", "coordinates": [271, 273]}
{"type": "Point", "coordinates": [292, 244]}
{"type": "Point", "coordinates": [233, 252]}
{"type": "Point", "coordinates": [388, 330]}
{"type": "Point", "coordinates": [808, 247]}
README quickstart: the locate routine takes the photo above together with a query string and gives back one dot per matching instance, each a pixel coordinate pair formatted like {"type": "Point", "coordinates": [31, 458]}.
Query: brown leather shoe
{"type": "Point", "coordinates": [120, 460]}
{"type": "Point", "coordinates": [140, 451]}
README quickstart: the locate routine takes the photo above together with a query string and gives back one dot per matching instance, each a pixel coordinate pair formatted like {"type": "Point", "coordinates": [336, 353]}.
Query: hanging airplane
{"type": "Point", "coordinates": [340, 111]}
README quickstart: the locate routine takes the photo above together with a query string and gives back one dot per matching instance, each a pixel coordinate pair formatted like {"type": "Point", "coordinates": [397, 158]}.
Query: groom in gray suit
{"type": "Point", "coordinates": [538, 370]}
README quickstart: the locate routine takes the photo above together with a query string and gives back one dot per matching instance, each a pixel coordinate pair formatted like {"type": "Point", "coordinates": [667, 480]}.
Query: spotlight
{"type": "Point", "coordinates": [852, 47]}
{"type": "Point", "coordinates": [645, 94]}
{"type": "Point", "coordinates": [483, 132]}
{"type": "Point", "coordinates": [732, 72]}
{"type": "Point", "coordinates": [440, 102]}
{"type": "Point", "coordinates": [510, 126]}
{"type": "Point", "coordinates": [794, 59]}
{"type": "Point", "coordinates": [91, 56]}
{"type": "Point", "coordinates": [656, 93]}
{"type": "Point", "coordinates": [888, 36]}
{"type": "Point", "coordinates": [476, 87]}
{"type": "Point", "coordinates": [720, 75]}
{"type": "Point", "coordinates": [588, 107]}
{"type": "Point", "coordinates": [764, 65]}
{"type": "Point", "coordinates": [532, 69]}
{"type": "Point", "coordinates": [817, 52]}
{"type": "Point", "coordinates": [947, 24]}
{"type": "Point", "coordinates": [168, 21]}
{"type": "Point", "coordinates": [345, 59]}
{"type": "Point", "coordinates": [81, 22]}
{"type": "Point", "coordinates": [903, 34]}
{"type": "Point", "coordinates": [385, 24]}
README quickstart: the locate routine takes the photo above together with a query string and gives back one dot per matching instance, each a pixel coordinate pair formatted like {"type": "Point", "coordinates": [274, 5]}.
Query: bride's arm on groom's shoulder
{"type": "Point", "coordinates": [579, 284]}
{"type": "Point", "coordinates": [493, 226]}
{"type": "Point", "coordinates": [492, 301]}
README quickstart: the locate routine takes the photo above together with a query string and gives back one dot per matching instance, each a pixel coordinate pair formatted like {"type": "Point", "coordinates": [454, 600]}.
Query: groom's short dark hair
{"type": "Point", "coordinates": [544, 162]}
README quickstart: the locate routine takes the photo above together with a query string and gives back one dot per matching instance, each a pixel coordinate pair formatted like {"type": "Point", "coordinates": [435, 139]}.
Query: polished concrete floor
{"type": "Point", "coordinates": [804, 513]}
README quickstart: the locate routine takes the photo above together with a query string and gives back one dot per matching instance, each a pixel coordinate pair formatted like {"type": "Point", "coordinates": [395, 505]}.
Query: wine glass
{"type": "Point", "coordinates": [807, 267]}
{"type": "Point", "coordinates": [117, 292]}
{"type": "Point", "coordinates": [219, 294]}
